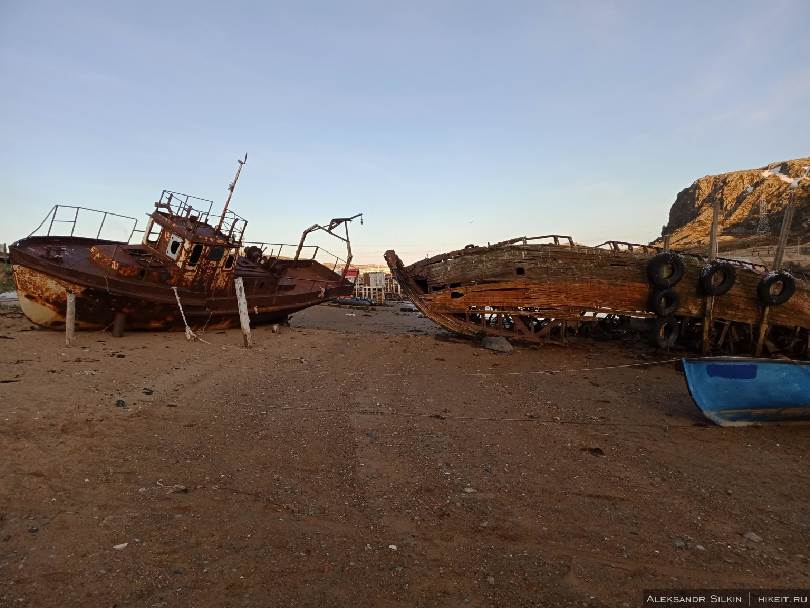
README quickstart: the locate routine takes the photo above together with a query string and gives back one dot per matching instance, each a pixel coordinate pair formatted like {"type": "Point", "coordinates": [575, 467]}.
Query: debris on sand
{"type": "Point", "coordinates": [497, 343]}
{"type": "Point", "coordinates": [594, 451]}
{"type": "Point", "coordinates": [753, 537]}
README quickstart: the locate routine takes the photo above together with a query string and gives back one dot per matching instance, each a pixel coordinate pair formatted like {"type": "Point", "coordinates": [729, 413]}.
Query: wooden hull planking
{"type": "Point", "coordinates": [533, 291]}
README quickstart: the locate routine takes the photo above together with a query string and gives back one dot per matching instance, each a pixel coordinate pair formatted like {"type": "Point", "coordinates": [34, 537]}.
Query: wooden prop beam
{"type": "Point", "coordinates": [244, 319]}
{"type": "Point", "coordinates": [70, 319]}
{"type": "Point", "coordinates": [787, 220]}
{"type": "Point", "coordinates": [707, 311]}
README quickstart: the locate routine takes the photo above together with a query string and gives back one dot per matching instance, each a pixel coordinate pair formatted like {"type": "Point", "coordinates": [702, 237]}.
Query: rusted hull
{"type": "Point", "coordinates": [43, 285]}
{"type": "Point", "coordinates": [533, 292]}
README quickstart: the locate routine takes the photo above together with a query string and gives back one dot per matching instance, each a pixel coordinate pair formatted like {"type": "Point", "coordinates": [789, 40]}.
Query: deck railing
{"type": "Point", "coordinates": [556, 239]}
{"type": "Point", "coordinates": [181, 205]}
{"type": "Point", "coordinates": [318, 253]}
{"type": "Point", "coordinates": [62, 220]}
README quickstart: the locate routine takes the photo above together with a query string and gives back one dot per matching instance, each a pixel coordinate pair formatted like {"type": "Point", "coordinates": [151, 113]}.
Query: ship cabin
{"type": "Point", "coordinates": [201, 256]}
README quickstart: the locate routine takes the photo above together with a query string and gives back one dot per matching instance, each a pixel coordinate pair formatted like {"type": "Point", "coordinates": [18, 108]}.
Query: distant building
{"type": "Point", "coordinates": [392, 289]}
{"type": "Point", "coordinates": [377, 286]}
{"type": "Point", "coordinates": [352, 273]}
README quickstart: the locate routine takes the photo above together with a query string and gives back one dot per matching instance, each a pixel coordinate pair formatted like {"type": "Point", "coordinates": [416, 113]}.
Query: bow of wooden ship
{"type": "Point", "coordinates": [543, 289]}
{"type": "Point", "coordinates": [186, 258]}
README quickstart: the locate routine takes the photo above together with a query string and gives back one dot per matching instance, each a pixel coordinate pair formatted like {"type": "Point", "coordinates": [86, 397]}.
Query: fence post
{"type": "Point", "coordinates": [244, 319]}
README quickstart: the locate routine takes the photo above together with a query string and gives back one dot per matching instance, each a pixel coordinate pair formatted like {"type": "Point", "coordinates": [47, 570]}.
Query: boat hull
{"type": "Point", "coordinates": [43, 286]}
{"type": "Point", "coordinates": [741, 392]}
{"type": "Point", "coordinates": [545, 292]}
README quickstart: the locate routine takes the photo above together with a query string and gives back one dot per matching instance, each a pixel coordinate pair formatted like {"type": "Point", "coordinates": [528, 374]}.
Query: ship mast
{"type": "Point", "coordinates": [231, 188]}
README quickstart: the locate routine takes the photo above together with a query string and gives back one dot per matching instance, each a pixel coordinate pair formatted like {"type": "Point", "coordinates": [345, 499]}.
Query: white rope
{"type": "Point", "coordinates": [558, 371]}
{"type": "Point", "coordinates": [585, 369]}
{"type": "Point", "coordinates": [190, 335]}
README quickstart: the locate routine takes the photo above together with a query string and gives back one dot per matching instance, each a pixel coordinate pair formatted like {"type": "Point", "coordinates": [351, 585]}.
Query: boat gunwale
{"type": "Point", "coordinates": [734, 359]}
{"type": "Point", "coordinates": [578, 247]}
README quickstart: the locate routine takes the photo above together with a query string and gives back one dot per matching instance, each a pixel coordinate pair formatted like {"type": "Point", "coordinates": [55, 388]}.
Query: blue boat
{"type": "Point", "coordinates": [738, 391]}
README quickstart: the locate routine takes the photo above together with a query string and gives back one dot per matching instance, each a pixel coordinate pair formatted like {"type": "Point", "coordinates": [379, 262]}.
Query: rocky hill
{"type": "Point", "coordinates": [752, 206]}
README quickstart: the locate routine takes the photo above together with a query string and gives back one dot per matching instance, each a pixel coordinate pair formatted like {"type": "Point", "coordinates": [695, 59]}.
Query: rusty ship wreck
{"type": "Point", "coordinates": [545, 289]}
{"type": "Point", "coordinates": [187, 258]}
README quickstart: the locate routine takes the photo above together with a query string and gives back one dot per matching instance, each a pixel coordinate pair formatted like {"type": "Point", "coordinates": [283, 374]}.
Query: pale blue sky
{"type": "Point", "coordinates": [447, 123]}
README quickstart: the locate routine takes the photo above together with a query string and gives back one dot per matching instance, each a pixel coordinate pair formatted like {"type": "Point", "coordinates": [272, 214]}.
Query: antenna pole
{"type": "Point", "coordinates": [231, 188]}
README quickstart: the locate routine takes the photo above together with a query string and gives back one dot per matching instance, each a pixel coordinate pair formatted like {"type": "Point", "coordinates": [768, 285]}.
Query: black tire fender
{"type": "Point", "coordinates": [665, 302]}
{"type": "Point", "coordinates": [665, 269]}
{"type": "Point", "coordinates": [710, 272]}
{"type": "Point", "coordinates": [766, 283]}
{"type": "Point", "coordinates": [666, 332]}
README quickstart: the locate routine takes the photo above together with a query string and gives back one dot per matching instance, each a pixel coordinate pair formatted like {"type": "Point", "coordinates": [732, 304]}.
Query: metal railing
{"type": "Point", "coordinates": [233, 227]}
{"type": "Point", "coordinates": [53, 217]}
{"type": "Point", "coordinates": [274, 250]}
{"type": "Point", "coordinates": [625, 247]}
{"type": "Point", "coordinates": [179, 205]}
{"type": "Point", "coordinates": [632, 247]}
{"type": "Point", "coordinates": [554, 238]}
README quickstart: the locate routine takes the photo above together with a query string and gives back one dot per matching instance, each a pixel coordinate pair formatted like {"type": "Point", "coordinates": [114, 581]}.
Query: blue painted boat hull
{"type": "Point", "coordinates": [737, 391]}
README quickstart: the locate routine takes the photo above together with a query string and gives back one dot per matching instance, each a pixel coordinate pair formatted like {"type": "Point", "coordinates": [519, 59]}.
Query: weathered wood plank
{"type": "Point", "coordinates": [708, 307]}
{"type": "Point", "coordinates": [70, 319]}
{"type": "Point", "coordinates": [244, 318]}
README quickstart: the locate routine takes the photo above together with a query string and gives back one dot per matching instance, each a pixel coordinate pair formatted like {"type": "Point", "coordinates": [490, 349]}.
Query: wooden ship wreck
{"type": "Point", "coordinates": [548, 288]}
{"type": "Point", "coordinates": [186, 264]}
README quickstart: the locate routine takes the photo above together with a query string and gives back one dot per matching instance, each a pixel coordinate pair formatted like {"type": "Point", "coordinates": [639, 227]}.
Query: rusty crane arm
{"type": "Point", "coordinates": [330, 229]}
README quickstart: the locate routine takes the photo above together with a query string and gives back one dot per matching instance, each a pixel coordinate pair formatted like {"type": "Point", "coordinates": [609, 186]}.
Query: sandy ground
{"type": "Point", "coordinates": [370, 461]}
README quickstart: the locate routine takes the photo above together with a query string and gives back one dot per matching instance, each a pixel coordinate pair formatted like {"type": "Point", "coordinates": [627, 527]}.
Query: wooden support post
{"type": "Point", "coordinates": [119, 324]}
{"type": "Point", "coordinates": [787, 220]}
{"type": "Point", "coordinates": [70, 319]}
{"type": "Point", "coordinates": [244, 319]}
{"type": "Point", "coordinates": [777, 264]}
{"type": "Point", "coordinates": [707, 311]}
{"type": "Point", "coordinates": [713, 234]}
{"type": "Point", "coordinates": [707, 325]}
{"type": "Point", "coordinates": [763, 329]}
{"type": "Point", "coordinates": [722, 338]}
